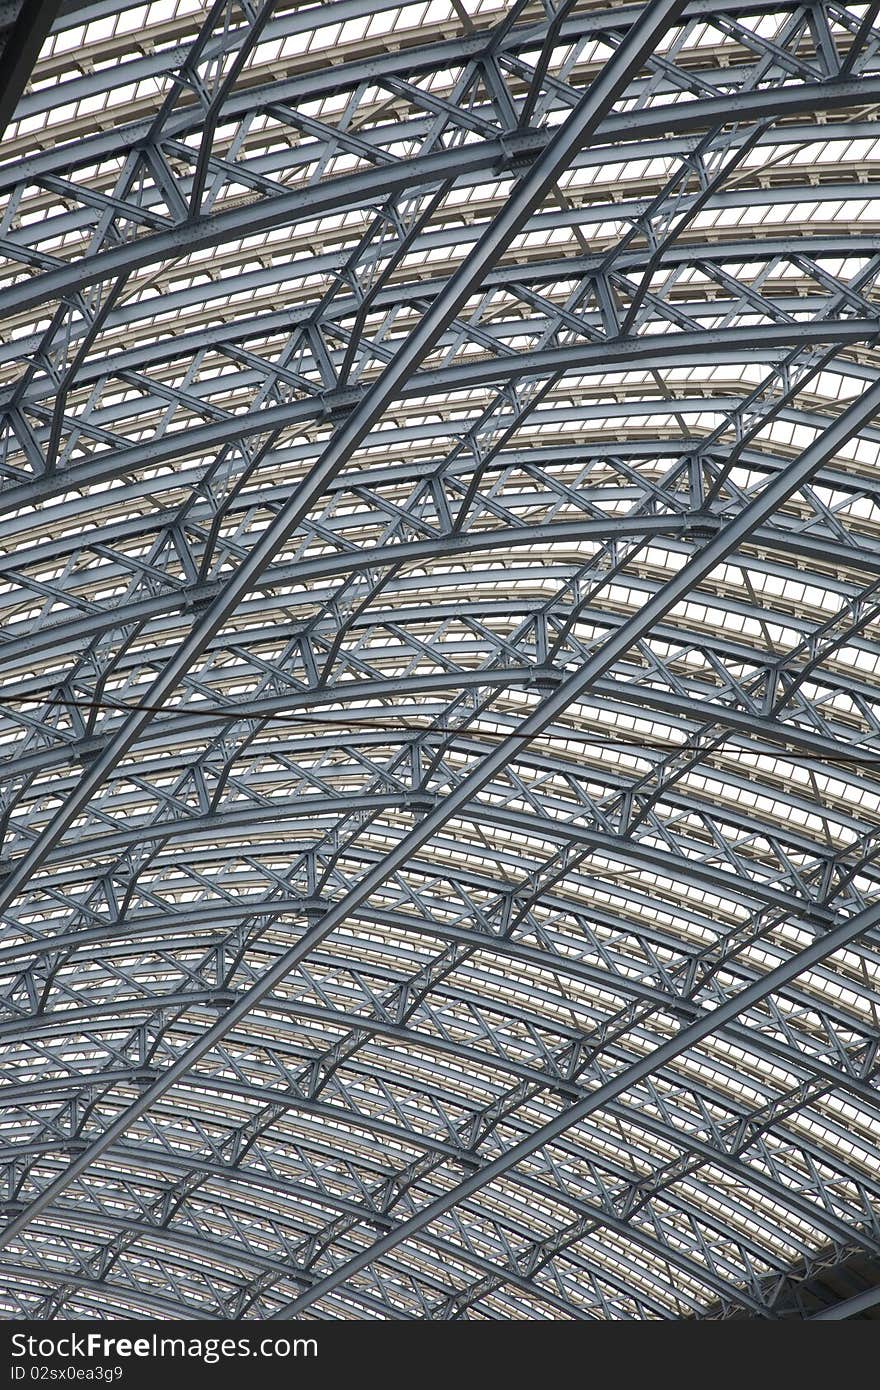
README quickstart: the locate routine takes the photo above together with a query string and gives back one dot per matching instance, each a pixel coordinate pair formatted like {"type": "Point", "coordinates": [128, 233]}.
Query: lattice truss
{"type": "Point", "coordinates": [440, 491]}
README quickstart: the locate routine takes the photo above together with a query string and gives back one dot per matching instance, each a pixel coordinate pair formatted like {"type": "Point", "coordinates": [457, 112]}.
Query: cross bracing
{"type": "Point", "coordinates": [441, 603]}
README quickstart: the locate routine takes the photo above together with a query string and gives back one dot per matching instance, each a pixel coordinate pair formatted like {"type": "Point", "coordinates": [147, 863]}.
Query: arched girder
{"type": "Point", "coordinates": [511, 37]}
{"type": "Point", "coordinates": [673, 531]}
{"type": "Point", "coordinates": [766, 1047]}
{"type": "Point", "coordinates": [88, 942]}
{"type": "Point", "coordinates": [359, 189]}
{"type": "Point", "coordinates": [829, 1009]}
{"type": "Point", "coordinates": [148, 1159]}
{"type": "Point", "coordinates": [768, 729]}
{"type": "Point", "coordinates": [379, 1130]}
{"type": "Point", "coordinates": [469, 1056]}
{"type": "Point", "coordinates": [176, 1240]}
{"type": "Point", "coordinates": [410, 553]}
{"type": "Point", "coordinates": [831, 1226]}
{"type": "Point", "coordinates": [403, 601]}
{"type": "Point", "coordinates": [231, 1257]}
{"type": "Point", "coordinates": [679, 713]}
{"type": "Point", "coordinates": [151, 355]}
{"type": "Point", "coordinates": [56, 547]}
{"type": "Point", "coordinates": [369, 1215]}
{"type": "Point", "coordinates": [458, 446]}
{"type": "Point", "coordinates": [255, 371]}
{"type": "Point", "coordinates": [404, 437]}
{"type": "Point", "coordinates": [142, 1302]}
{"type": "Point", "coordinates": [609, 1091]}
{"type": "Point", "coordinates": [314, 810]}
{"type": "Point", "coordinates": [210, 1083]}
{"type": "Point", "coordinates": [567, 773]}
{"type": "Point", "coordinates": [755, 346]}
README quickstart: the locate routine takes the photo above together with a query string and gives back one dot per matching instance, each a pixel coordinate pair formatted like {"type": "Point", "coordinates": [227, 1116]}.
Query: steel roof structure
{"type": "Point", "coordinates": [440, 493]}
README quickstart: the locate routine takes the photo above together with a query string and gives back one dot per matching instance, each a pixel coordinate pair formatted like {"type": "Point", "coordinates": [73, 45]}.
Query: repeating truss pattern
{"type": "Point", "coordinates": [440, 497]}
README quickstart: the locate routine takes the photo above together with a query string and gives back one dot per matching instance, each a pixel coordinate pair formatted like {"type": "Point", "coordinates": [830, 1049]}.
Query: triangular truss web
{"type": "Point", "coordinates": [440, 602]}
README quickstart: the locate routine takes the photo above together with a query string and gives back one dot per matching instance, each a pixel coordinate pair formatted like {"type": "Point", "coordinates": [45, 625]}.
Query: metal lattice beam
{"type": "Point", "coordinates": [439, 631]}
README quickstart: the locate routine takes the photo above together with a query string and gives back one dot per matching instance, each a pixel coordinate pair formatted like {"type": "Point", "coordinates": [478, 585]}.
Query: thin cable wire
{"type": "Point", "coordinates": [343, 723]}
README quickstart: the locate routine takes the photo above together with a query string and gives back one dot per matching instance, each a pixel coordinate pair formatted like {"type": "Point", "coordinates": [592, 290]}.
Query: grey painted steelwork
{"type": "Point", "coordinates": [24, 25]}
{"type": "Point", "coordinates": [440, 587]}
